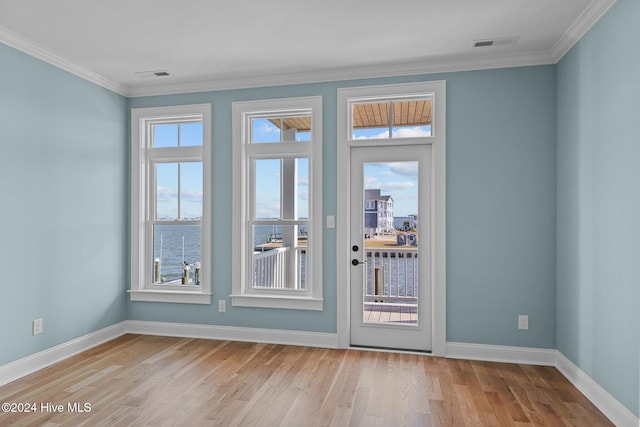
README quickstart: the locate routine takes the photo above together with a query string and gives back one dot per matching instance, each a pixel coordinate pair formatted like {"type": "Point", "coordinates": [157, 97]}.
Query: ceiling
{"type": "Point", "coordinates": [215, 44]}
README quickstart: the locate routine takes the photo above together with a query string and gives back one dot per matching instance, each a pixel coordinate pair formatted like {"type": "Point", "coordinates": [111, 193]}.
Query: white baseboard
{"type": "Point", "coordinates": [605, 402]}
{"type": "Point", "coordinates": [230, 333]}
{"type": "Point", "coordinates": [500, 353]}
{"type": "Point", "coordinates": [614, 410]}
{"type": "Point", "coordinates": [27, 365]}
{"type": "Point", "coordinates": [609, 405]}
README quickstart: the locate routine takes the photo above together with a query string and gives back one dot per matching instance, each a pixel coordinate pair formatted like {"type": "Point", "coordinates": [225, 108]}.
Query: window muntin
{"type": "Point", "coordinates": [391, 118]}
{"type": "Point", "coordinates": [170, 204]}
{"type": "Point", "coordinates": [178, 190]}
{"type": "Point", "coordinates": [277, 147]}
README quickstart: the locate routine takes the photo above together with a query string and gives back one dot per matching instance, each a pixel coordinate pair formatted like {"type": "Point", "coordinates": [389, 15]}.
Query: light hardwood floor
{"type": "Point", "coordinates": [164, 381]}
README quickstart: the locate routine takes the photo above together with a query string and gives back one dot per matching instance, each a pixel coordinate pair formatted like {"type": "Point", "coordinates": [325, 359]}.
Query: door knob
{"type": "Point", "coordinates": [356, 262]}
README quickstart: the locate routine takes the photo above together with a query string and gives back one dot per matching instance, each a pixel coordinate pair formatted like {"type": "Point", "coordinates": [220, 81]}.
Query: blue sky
{"type": "Point", "coordinates": [190, 192]}
{"type": "Point", "coordinates": [398, 179]}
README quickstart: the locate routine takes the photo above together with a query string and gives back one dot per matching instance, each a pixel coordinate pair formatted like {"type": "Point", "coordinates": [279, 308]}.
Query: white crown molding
{"type": "Point", "coordinates": [431, 66]}
{"type": "Point", "coordinates": [609, 405]}
{"type": "Point", "coordinates": [31, 48]}
{"type": "Point", "coordinates": [593, 12]}
{"type": "Point", "coordinates": [587, 19]}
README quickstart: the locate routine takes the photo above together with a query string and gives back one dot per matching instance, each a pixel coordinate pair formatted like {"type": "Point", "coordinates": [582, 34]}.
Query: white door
{"type": "Point", "coordinates": [390, 292]}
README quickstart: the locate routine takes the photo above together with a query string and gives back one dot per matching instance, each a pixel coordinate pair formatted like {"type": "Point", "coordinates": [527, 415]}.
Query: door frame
{"type": "Point", "coordinates": [437, 194]}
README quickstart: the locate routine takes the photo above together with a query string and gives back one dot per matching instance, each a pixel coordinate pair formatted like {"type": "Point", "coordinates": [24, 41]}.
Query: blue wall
{"type": "Point", "coordinates": [500, 207]}
{"type": "Point", "coordinates": [63, 195]}
{"type": "Point", "coordinates": [599, 203]}
{"type": "Point", "coordinates": [542, 205]}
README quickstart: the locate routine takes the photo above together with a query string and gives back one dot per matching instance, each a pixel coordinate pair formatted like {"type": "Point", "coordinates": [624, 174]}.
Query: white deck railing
{"type": "Point", "coordinates": [392, 276]}
{"type": "Point", "coordinates": [270, 268]}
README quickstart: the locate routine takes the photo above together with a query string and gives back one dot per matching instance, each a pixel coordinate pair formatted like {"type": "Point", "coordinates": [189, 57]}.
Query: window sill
{"type": "Point", "coordinates": [269, 301]}
{"type": "Point", "coordinates": [173, 296]}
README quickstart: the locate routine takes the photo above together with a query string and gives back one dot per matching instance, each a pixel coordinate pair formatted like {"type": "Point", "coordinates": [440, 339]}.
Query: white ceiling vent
{"type": "Point", "coordinates": [497, 42]}
{"type": "Point", "coordinates": [153, 74]}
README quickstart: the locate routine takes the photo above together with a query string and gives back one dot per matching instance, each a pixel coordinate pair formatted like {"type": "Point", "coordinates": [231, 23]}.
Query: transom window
{"type": "Point", "coordinates": [409, 117]}
{"type": "Point", "coordinates": [170, 204]}
{"type": "Point", "coordinates": [277, 173]}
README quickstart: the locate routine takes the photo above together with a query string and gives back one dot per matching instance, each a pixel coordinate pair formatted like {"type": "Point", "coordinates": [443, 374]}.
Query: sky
{"type": "Point", "coordinates": [171, 185]}
{"type": "Point", "coordinates": [397, 179]}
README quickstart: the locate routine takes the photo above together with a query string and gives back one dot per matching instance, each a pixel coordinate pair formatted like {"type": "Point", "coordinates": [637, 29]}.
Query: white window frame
{"type": "Point", "coordinates": [347, 97]}
{"type": "Point", "coordinates": [243, 293]}
{"type": "Point", "coordinates": [142, 194]}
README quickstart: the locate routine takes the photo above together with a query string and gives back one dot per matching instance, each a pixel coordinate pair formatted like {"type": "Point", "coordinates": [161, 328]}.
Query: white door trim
{"type": "Point", "coordinates": [438, 202]}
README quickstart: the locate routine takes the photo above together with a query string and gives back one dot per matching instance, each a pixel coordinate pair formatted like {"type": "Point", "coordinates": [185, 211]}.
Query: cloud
{"type": "Point", "coordinates": [411, 132]}
{"type": "Point", "coordinates": [267, 208]}
{"type": "Point", "coordinates": [382, 135]}
{"type": "Point", "coordinates": [408, 168]}
{"type": "Point", "coordinates": [266, 127]}
{"type": "Point", "coordinates": [397, 186]}
{"type": "Point", "coordinates": [371, 182]}
{"type": "Point", "coordinates": [164, 194]}
{"type": "Point", "coordinates": [401, 132]}
{"type": "Point", "coordinates": [403, 168]}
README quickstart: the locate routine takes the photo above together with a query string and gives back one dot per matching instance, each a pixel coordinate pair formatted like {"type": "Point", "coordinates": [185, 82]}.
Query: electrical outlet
{"type": "Point", "coordinates": [222, 305]}
{"type": "Point", "coordinates": [523, 321]}
{"type": "Point", "coordinates": [37, 327]}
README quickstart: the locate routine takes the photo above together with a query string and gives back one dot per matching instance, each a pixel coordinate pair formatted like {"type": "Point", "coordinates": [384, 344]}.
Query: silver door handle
{"type": "Point", "coordinates": [356, 262]}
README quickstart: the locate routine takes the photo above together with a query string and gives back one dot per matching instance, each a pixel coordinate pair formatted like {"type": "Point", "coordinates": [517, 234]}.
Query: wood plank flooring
{"type": "Point", "coordinates": [139, 380]}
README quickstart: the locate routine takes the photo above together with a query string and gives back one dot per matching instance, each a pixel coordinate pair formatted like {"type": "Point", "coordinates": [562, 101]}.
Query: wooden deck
{"type": "Point", "coordinates": [390, 313]}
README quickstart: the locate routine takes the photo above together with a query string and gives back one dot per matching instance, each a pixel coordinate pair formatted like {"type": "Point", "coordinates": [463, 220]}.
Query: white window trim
{"type": "Point", "coordinates": [141, 288]}
{"type": "Point", "coordinates": [242, 293]}
{"type": "Point", "coordinates": [347, 96]}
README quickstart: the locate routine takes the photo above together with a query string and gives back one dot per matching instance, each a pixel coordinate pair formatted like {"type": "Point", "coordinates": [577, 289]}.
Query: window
{"type": "Point", "coordinates": [171, 220]}
{"type": "Point", "coordinates": [277, 178]}
{"type": "Point", "coordinates": [400, 117]}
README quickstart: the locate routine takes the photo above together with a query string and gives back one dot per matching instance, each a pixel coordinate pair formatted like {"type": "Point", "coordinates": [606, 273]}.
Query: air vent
{"type": "Point", "coordinates": [497, 42]}
{"type": "Point", "coordinates": [153, 74]}
{"type": "Point", "coordinates": [483, 43]}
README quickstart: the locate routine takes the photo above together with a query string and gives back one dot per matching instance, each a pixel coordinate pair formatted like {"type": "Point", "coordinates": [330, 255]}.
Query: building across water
{"type": "Point", "coordinates": [378, 213]}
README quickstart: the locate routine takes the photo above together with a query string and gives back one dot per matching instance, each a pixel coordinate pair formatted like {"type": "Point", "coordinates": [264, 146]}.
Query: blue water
{"type": "Point", "coordinates": [169, 249]}
{"type": "Point", "coordinates": [172, 255]}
